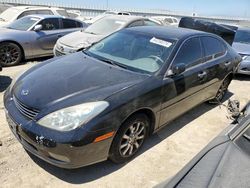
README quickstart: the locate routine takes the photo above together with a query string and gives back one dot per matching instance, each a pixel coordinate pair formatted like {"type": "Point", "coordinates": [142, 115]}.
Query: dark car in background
{"type": "Point", "coordinates": [242, 45]}
{"type": "Point", "coordinates": [33, 36]}
{"type": "Point", "coordinates": [103, 102]}
{"type": "Point", "coordinates": [224, 162]}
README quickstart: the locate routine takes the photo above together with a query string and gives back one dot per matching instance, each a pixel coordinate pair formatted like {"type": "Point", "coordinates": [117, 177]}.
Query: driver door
{"type": "Point", "coordinates": [184, 91]}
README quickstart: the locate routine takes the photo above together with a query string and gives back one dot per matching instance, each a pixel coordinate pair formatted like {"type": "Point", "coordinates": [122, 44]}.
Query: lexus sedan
{"type": "Point", "coordinates": [103, 102]}
{"type": "Point", "coordinates": [33, 36]}
{"type": "Point", "coordinates": [100, 29]}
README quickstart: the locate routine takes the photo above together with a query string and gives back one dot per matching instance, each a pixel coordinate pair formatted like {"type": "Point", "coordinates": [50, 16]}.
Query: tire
{"type": "Point", "coordinates": [221, 92]}
{"type": "Point", "coordinates": [126, 143]}
{"type": "Point", "coordinates": [10, 54]}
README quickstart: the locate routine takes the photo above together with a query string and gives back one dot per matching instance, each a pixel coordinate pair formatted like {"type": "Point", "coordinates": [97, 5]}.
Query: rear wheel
{"type": "Point", "coordinates": [222, 91]}
{"type": "Point", "coordinates": [129, 138]}
{"type": "Point", "coordinates": [10, 54]}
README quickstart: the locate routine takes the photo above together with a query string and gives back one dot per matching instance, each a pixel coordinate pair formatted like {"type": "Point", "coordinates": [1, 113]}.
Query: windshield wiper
{"type": "Point", "coordinates": [113, 63]}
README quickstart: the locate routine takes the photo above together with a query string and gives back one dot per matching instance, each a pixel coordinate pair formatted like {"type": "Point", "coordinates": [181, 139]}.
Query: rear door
{"type": "Point", "coordinates": [216, 63]}
{"type": "Point", "coordinates": [184, 91]}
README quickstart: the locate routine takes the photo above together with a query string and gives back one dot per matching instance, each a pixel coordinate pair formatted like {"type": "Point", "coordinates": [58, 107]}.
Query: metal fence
{"type": "Point", "coordinates": [93, 10]}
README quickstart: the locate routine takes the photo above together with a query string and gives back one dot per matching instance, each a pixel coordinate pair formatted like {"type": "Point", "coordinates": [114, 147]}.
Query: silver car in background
{"type": "Point", "coordinates": [33, 36]}
{"type": "Point", "coordinates": [100, 29]}
{"type": "Point", "coordinates": [241, 44]}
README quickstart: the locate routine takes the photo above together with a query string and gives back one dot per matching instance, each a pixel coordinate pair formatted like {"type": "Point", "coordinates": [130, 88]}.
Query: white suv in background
{"type": "Point", "coordinates": [15, 13]}
{"type": "Point", "coordinates": [167, 20]}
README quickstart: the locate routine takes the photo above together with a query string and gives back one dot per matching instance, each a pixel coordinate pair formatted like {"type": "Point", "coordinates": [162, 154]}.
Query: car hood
{"type": "Point", "coordinates": [80, 39]}
{"type": "Point", "coordinates": [242, 48]}
{"type": "Point", "coordinates": [71, 80]}
{"type": "Point", "coordinates": [3, 23]}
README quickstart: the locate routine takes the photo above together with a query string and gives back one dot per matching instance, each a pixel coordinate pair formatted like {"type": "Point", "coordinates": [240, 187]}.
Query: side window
{"type": "Point", "coordinates": [190, 53]}
{"type": "Point", "coordinates": [150, 23]}
{"type": "Point", "coordinates": [67, 24]}
{"type": "Point", "coordinates": [26, 13]}
{"type": "Point", "coordinates": [213, 47]}
{"type": "Point", "coordinates": [50, 24]}
{"type": "Point", "coordinates": [45, 12]}
{"type": "Point", "coordinates": [136, 23]}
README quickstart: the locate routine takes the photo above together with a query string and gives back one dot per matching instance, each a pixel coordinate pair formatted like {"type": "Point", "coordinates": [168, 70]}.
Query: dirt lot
{"type": "Point", "coordinates": [164, 153]}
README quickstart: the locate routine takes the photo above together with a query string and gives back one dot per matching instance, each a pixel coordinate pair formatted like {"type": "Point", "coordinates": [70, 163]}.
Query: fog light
{"type": "Point", "coordinates": [59, 157]}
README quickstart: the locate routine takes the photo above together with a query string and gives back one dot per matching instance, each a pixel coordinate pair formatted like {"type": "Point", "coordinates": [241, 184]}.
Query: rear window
{"type": "Point", "coordinates": [67, 24]}
{"type": "Point", "coordinates": [213, 47]}
{"type": "Point", "coordinates": [45, 12]}
{"type": "Point", "coordinates": [242, 36]}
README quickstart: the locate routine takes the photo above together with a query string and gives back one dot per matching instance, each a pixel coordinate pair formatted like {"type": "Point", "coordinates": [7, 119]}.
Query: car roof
{"type": "Point", "coordinates": [43, 16]}
{"type": "Point", "coordinates": [127, 18]}
{"type": "Point", "coordinates": [169, 32]}
{"type": "Point", "coordinates": [35, 8]}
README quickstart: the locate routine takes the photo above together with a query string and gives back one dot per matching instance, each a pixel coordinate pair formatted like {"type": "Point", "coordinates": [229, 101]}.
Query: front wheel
{"type": "Point", "coordinates": [129, 138]}
{"type": "Point", "coordinates": [222, 91]}
{"type": "Point", "coordinates": [10, 54]}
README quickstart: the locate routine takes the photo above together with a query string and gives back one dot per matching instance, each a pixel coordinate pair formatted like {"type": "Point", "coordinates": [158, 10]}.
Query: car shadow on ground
{"type": "Point", "coordinates": [5, 81]}
{"type": "Point", "coordinates": [93, 172]}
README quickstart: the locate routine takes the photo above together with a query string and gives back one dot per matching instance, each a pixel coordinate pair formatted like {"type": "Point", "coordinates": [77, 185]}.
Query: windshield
{"type": "Point", "coordinates": [23, 24]}
{"type": "Point", "coordinates": [242, 36]}
{"type": "Point", "coordinates": [9, 14]}
{"type": "Point", "coordinates": [134, 51]}
{"type": "Point", "coordinates": [105, 26]}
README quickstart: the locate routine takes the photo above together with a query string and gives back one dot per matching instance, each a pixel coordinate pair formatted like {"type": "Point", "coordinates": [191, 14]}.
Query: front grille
{"type": "Point", "coordinates": [23, 109]}
{"type": "Point", "coordinates": [58, 53]}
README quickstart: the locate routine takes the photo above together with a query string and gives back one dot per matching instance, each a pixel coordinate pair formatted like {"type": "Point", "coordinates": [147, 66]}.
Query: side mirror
{"type": "Point", "coordinates": [38, 27]}
{"type": "Point", "coordinates": [178, 69]}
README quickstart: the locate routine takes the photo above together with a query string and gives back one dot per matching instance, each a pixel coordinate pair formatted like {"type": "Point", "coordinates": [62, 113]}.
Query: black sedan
{"type": "Point", "coordinates": [103, 102]}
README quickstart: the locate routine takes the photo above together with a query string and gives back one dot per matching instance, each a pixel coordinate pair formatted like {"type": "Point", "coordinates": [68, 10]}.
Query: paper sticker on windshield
{"type": "Point", "coordinates": [161, 42]}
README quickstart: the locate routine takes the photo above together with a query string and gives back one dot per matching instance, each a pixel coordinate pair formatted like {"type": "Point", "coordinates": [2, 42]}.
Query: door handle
{"type": "Point", "coordinates": [202, 75]}
{"type": "Point", "coordinates": [228, 63]}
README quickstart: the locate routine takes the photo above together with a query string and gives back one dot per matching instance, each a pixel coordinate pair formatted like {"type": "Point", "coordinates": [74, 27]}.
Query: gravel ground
{"type": "Point", "coordinates": [164, 154]}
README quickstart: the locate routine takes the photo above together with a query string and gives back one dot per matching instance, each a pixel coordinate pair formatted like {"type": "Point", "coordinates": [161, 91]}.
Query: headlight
{"type": "Point", "coordinates": [72, 117]}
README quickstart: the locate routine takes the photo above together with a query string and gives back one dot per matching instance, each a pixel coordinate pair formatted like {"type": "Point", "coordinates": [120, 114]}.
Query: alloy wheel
{"type": "Point", "coordinates": [132, 139]}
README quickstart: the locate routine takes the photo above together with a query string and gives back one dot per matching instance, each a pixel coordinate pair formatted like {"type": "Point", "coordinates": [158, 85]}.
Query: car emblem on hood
{"type": "Point", "coordinates": [24, 92]}
{"type": "Point", "coordinates": [61, 48]}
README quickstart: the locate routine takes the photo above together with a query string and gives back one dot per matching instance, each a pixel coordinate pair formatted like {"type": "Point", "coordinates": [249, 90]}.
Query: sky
{"type": "Point", "coordinates": [230, 8]}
